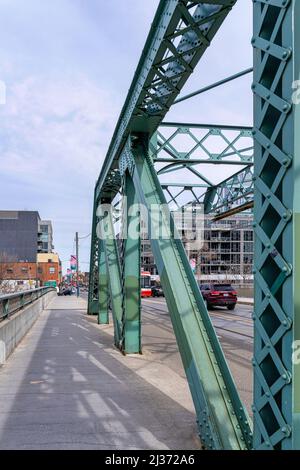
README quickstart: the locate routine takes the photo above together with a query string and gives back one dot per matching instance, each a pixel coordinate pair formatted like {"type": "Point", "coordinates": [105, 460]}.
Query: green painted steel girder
{"type": "Point", "coordinates": [230, 144]}
{"type": "Point", "coordinates": [222, 419]}
{"type": "Point", "coordinates": [248, 206]}
{"type": "Point", "coordinates": [107, 235]}
{"type": "Point", "coordinates": [170, 55]}
{"type": "Point", "coordinates": [214, 85]}
{"type": "Point", "coordinates": [103, 314]}
{"type": "Point", "coordinates": [276, 44]}
{"type": "Point", "coordinates": [131, 272]}
{"type": "Point", "coordinates": [197, 161]}
{"type": "Point", "coordinates": [231, 193]}
{"type": "Point", "coordinates": [220, 127]}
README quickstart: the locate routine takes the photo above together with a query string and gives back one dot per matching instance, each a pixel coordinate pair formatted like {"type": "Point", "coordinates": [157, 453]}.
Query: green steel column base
{"type": "Point", "coordinates": [113, 285]}
{"type": "Point", "coordinates": [103, 318]}
{"type": "Point", "coordinates": [93, 309]}
{"type": "Point", "coordinates": [133, 338]}
{"type": "Point", "coordinates": [131, 270]}
{"type": "Point", "coordinates": [103, 290]}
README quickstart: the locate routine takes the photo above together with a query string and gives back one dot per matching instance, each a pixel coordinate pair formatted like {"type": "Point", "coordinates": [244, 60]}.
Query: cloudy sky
{"type": "Point", "coordinates": [67, 66]}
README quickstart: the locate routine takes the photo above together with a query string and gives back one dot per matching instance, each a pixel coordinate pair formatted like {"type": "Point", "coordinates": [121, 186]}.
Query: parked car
{"type": "Point", "coordinates": [157, 291]}
{"type": "Point", "coordinates": [219, 295]}
{"type": "Point", "coordinates": [67, 291]}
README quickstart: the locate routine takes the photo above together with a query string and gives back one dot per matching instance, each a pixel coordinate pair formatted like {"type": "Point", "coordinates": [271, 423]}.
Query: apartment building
{"type": "Point", "coordinates": [26, 251]}
{"type": "Point", "coordinates": [22, 235]}
{"type": "Point", "coordinates": [45, 237]}
{"type": "Point", "coordinates": [226, 253]}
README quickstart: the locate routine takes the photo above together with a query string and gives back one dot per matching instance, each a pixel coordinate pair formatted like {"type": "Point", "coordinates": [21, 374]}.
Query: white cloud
{"type": "Point", "coordinates": [56, 128]}
{"type": "Point", "coordinates": [53, 139]}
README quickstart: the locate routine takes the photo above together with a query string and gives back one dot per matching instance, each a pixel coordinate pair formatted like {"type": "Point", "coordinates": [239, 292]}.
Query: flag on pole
{"type": "Point", "coordinates": [193, 264]}
{"type": "Point", "coordinates": [73, 262]}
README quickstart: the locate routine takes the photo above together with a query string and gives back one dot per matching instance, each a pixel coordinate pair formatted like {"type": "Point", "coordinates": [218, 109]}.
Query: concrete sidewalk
{"type": "Point", "coordinates": [245, 301]}
{"type": "Point", "coordinates": [67, 387]}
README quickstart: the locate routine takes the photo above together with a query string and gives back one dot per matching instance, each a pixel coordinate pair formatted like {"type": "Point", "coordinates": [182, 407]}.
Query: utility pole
{"type": "Point", "coordinates": [77, 262]}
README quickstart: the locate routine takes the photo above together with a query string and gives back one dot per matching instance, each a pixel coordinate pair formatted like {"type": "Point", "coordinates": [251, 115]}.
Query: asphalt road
{"type": "Point", "coordinates": [234, 330]}
{"type": "Point", "coordinates": [67, 387]}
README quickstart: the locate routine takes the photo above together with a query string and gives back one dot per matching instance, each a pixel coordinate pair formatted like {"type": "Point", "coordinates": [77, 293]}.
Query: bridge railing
{"type": "Point", "coordinates": [12, 303]}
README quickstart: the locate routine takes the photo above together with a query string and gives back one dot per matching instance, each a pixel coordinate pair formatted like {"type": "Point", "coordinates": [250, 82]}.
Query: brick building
{"type": "Point", "coordinates": [22, 275]}
{"type": "Point", "coordinates": [26, 252]}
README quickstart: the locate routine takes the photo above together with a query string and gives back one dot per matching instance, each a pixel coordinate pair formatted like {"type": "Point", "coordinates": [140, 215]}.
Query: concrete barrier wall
{"type": "Point", "coordinates": [245, 292]}
{"type": "Point", "coordinates": [13, 330]}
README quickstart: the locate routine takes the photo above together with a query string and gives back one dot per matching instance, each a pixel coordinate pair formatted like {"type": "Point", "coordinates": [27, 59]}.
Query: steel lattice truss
{"type": "Point", "coordinates": [144, 151]}
{"type": "Point", "coordinates": [235, 144]}
{"type": "Point", "coordinates": [276, 401]}
{"type": "Point", "coordinates": [190, 146]}
{"type": "Point", "coordinates": [232, 194]}
{"type": "Point", "coordinates": [180, 34]}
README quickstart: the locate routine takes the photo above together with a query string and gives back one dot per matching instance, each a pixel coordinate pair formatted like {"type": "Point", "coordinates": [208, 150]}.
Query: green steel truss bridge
{"type": "Point", "coordinates": [143, 153]}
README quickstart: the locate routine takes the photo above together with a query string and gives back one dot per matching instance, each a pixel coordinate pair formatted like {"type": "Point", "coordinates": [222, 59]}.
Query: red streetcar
{"type": "Point", "coordinates": [146, 290]}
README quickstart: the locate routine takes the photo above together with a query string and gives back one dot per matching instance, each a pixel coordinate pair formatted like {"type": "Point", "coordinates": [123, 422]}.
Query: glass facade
{"type": "Point", "coordinates": [226, 253]}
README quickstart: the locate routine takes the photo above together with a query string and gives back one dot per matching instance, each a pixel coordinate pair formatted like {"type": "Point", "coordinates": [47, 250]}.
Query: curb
{"type": "Point", "coordinates": [245, 302]}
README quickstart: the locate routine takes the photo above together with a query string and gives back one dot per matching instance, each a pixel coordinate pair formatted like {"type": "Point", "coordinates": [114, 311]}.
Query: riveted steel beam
{"type": "Point", "coordinates": [103, 316]}
{"type": "Point", "coordinates": [223, 422]}
{"type": "Point", "coordinates": [131, 270]}
{"type": "Point", "coordinates": [233, 148]}
{"type": "Point", "coordinates": [276, 44]}
{"type": "Point", "coordinates": [196, 161]}
{"type": "Point", "coordinates": [236, 210]}
{"type": "Point", "coordinates": [107, 235]}
{"type": "Point", "coordinates": [232, 193]}
{"type": "Point", "coordinates": [170, 55]}
{"type": "Point", "coordinates": [214, 85]}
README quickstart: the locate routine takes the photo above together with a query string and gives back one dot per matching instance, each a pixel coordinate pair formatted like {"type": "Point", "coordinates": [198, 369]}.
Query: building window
{"type": "Point", "coordinates": [235, 235]}
{"type": "Point", "coordinates": [248, 247]}
{"type": "Point", "coordinates": [10, 271]}
{"type": "Point", "coordinates": [248, 236]}
{"type": "Point", "coordinates": [24, 270]}
{"type": "Point", "coordinates": [248, 259]}
{"type": "Point", "coordinates": [40, 271]}
{"type": "Point", "coordinates": [44, 228]}
{"type": "Point", "coordinates": [235, 259]}
{"type": "Point", "coordinates": [236, 247]}
{"type": "Point", "coordinates": [52, 270]}
{"type": "Point", "coordinates": [206, 235]}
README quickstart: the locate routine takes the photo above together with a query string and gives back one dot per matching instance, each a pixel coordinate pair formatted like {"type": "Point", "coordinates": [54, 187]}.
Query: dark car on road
{"type": "Point", "coordinates": [157, 291]}
{"type": "Point", "coordinates": [219, 295]}
{"type": "Point", "coordinates": [65, 291]}
{"type": "Point", "coordinates": [68, 291]}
